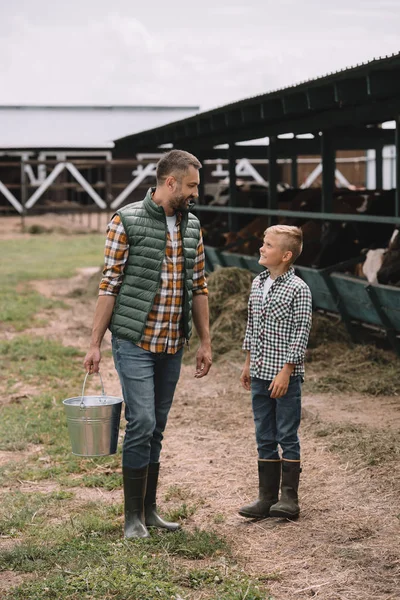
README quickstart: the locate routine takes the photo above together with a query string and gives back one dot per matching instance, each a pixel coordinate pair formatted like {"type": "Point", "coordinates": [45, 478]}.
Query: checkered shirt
{"type": "Point", "coordinates": [278, 328]}
{"type": "Point", "coordinates": [163, 330]}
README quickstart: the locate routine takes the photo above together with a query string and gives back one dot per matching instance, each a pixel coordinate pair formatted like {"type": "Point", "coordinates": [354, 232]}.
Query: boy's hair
{"type": "Point", "coordinates": [293, 238]}
{"type": "Point", "coordinates": [177, 162]}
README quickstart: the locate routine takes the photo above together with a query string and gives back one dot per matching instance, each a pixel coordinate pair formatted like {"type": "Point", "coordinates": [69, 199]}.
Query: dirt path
{"type": "Point", "coordinates": [345, 546]}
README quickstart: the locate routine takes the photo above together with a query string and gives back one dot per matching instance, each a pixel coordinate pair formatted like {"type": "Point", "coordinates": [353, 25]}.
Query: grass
{"type": "Point", "coordinates": [17, 510]}
{"type": "Point", "coordinates": [72, 550]}
{"type": "Point", "coordinates": [49, 256]}
{"type": "Point", "coordinates": [18, 308]}
{"type": "Point", "coordinates": [181, 513]}
{"type": "Point", "coordinates": [363, 445]}
{"type": "Point", "coordinates": [84, 557]}
{"type": "Point", "coordinates": [56, 369]}
{"type": "Point", "coordinates": [40, 257]}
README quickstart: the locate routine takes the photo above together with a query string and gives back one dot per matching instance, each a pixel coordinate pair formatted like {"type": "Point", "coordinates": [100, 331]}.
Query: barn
{"type": "Point", "coordinates": [55, 157]}
{"type": "Point", "coordinates": [354, 109]}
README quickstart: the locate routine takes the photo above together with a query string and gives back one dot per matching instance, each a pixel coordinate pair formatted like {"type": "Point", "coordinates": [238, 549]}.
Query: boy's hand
{"type": "Point", "coordinates": [279, 385]}
{"type": "Point", "coordinates": [245, 378]}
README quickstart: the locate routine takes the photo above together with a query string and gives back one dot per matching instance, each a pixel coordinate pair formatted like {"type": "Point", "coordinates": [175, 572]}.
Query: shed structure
{"type": "Point", "coordinates": [70, 150]}
{"type": "Point", "coordinates": [342, 110]}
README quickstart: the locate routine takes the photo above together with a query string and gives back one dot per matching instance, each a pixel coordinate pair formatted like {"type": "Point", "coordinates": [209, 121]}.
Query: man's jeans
{"type": "Point", "coordinates": [277, 420]}
{"type": "Point", "coordinates": [148, 382]}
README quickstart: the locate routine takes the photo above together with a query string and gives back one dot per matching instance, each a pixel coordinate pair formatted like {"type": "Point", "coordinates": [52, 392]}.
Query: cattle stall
{"type": "Point", "coordinates": [355, 109]}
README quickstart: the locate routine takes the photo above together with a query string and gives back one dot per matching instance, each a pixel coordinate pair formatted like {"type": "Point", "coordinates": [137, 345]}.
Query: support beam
{"type": "Point", "coordinates": [272, 173]}
{"type": "Point", "coordinates": [232, 218]}
{"type": "Point", "coordinates": [397, 205]}
{"type": "Point", "coordinates": [328, 171]}
{"type": "Point", "coordinates": [202, 177]}
{"type": "Point", "coordinates": [294, 172]}
{"type": "Point", "coordinates": [24, 194]}
{"type": "Point", "coordinates": [379, 166]}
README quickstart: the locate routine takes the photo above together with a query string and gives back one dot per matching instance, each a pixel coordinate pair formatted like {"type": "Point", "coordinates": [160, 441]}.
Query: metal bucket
{"type": "Point", "coordinates": [93, 423]}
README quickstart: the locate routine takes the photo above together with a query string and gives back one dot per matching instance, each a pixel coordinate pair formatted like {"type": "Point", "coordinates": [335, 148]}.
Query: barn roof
{"type": "Point", "coordinates": [35, 127]}
{"type": "Point", "coordinates": [362, 95]}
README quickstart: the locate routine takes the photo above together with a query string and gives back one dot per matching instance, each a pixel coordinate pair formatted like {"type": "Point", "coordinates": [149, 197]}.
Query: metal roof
{"type": "Point", "coordinates": [48, 127]}
{"type": "Point", "coordinates": [361, 95]}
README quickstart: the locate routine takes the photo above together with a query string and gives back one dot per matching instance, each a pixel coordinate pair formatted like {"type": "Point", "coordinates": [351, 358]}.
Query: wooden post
{"type": "Point", "coordinates": [328, 171]}
{"type": "Point", "coordinates": [232, 218]}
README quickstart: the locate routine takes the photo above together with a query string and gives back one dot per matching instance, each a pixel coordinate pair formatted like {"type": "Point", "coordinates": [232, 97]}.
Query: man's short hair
{"type": "Point", "coordinates": [175, 162]}
{"type": "Point", "coordinates": [292, 238]}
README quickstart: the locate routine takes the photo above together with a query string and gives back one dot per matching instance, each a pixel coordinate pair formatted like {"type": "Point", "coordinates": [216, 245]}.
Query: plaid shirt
{"type": "Point", "coordinates": [163, 330]}
{"type": "Point", "coordinates": [278, 329]}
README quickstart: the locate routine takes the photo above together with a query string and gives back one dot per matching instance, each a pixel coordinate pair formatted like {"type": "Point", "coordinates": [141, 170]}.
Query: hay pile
{"type": "Point", "coordinates": [229, 290]}
{"type": "Point", "coordinates": [326, 330]}
{"type": "Point", "coordinates": [339, 367]}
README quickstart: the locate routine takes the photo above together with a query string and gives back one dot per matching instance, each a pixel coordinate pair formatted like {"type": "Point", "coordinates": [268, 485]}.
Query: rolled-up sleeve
{"type": "Point", "coordinates": [302, 315]}
{"type": "Point", "coordinates": [199, 279]}
{"type": "Point", "coordinates": [249, 328]}
{"type": "Point", "coordinates": [115, 256]}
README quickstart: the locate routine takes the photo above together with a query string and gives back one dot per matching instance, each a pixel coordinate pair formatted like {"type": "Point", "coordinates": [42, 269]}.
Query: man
{"type": "Point", "coordinates": [153, 279]}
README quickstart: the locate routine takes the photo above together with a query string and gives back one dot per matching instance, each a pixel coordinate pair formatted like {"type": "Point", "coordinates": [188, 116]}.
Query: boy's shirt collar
{"type": "Point", "coordinates": [265, 274]}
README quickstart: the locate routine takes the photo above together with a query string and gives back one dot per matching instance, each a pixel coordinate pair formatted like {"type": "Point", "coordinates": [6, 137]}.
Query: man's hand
{"type": "Point", "coordinates": [92, 360]}
{"type": "Point", "coordinates": [203, 360]}
{"type": "Point", "coordinates": [279, 385]}
{"type": "Point", "coordinates": [245, 378]}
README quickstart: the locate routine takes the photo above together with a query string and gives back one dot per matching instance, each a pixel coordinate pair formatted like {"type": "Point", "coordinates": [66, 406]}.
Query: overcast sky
{"type": "Point", "coordinates": [182, 52]}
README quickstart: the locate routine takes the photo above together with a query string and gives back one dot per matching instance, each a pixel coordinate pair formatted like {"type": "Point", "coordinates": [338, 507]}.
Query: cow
{"type": "Point", "coordinates": [249, 239]}
{"type": "Point", "coordinates": [372, 264]}
{"type": "Point", "coordinates": [343, 240]}
{"type": "Point", "coordinates": [389, 273]}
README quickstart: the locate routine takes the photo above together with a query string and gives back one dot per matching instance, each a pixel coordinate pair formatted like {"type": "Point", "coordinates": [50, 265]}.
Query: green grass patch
{"type": "Point", "coordinates": [181, 513]}
{"type": "Point", "coordinates": [232, 584]}
{"type": "Point", "coordinates": [84, 557]}
{"type": "Point", "coordinates": [108, 480]}
{"type": "Point", "coordinates": [40, 360]}
{"type": "Point", "coordinates": [49, 257]}
{"type": "Point", "coordinates": [41, 420]}
{"type": "Point", "coordinates": [176, 492]}
{"type": "Point", "coordinates": [43, 257]}
{"type": "Point", "coordinates": [219, 518]}
{"type": "Point", "coordinates": [18, 308]}
{"type": "Point", "coordinates": [17, 510]}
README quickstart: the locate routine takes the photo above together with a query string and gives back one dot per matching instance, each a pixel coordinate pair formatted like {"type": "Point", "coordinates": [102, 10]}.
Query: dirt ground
{"type": "Point", "coordinates": [345, 546]}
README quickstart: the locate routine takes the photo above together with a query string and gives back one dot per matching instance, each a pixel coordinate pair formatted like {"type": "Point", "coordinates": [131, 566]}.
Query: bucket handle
{"type": "Point", "coordinates": [82, 404]}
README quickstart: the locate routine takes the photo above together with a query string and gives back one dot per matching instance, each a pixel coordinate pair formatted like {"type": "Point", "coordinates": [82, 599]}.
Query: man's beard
{"type": "Point", "coordinates": [183, 203]}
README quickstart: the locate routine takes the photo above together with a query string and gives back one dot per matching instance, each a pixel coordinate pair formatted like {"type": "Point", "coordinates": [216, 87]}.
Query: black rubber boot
{"type": "Point", "coordinates": [135, 481]}
{"type": "Point", "coordinates": [288, 505]}
{"type": "Point", "coordinates": [269, 477]}
{"type": "Point", "coordinates": [152, 518]}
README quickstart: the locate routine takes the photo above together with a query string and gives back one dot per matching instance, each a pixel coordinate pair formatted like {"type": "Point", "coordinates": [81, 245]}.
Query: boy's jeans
{"type": "Point", "coordinates": [277, 420]}
{"type": "Point", "coordinates": [148, 382]}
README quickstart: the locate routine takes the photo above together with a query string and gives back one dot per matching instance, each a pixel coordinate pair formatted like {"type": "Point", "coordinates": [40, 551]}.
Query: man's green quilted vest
{"type": "Point", "coordinates": [146, 227]}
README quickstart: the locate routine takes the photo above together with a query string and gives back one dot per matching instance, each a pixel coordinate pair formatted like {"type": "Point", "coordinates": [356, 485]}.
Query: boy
{"type": "Point", "coordinates": [278, 326]}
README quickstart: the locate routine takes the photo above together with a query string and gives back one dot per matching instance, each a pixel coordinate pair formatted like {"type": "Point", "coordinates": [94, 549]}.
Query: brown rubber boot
{"type": "Point", "coordinates": [269, 476]}
{"type": "Point", "coordinates": [135, 481]}
{"type": "Point", "coordinates": [288, 505]}
{"type": "Point", "coordinates": [152, 518]}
